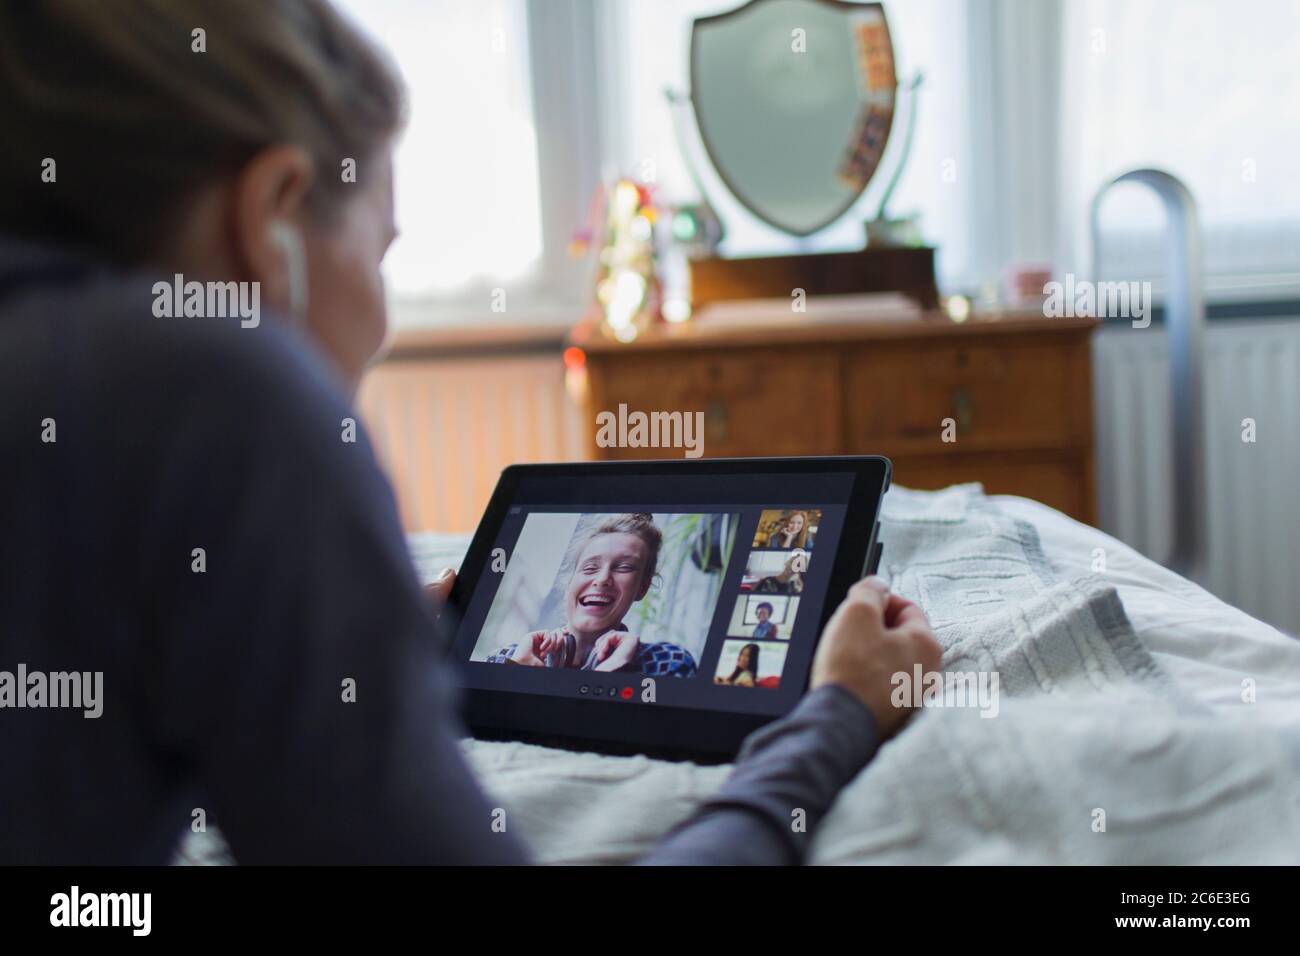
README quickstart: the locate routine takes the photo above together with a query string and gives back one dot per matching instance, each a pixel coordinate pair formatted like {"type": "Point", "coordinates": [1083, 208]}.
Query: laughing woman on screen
{"type": "Point", "coordinates": [616, 564]}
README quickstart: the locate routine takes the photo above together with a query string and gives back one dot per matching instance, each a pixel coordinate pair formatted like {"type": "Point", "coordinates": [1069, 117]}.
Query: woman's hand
{"type": "Point", "coordinates": [528, 651]}
{"type": "Point", "coordinates": [552, 642]}
{"type": "Point", "coordinates": [615, 650]}
{"type": "Point", "coordinates": [871, 637]}
{"type": "Point", "coordinates": [440, 588]}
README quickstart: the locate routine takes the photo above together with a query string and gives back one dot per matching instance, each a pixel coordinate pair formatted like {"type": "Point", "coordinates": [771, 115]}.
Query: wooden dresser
{"type": "Point", "coordinates": [1016, 387]}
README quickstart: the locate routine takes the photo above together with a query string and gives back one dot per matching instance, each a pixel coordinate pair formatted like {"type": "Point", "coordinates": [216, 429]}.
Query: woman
{"type": "Point", "coordinates": [765, 629]}
{"type": "Point", "coordinates": [615, 564]}
{"type": "Point", "coordinates": [791, 532]}
{"type": "Point", "coordinates": [745, 673]}
{"type": "Point", "coordinates": [227, 164]}
{"type": "Point", "coordinates": [186, 510]}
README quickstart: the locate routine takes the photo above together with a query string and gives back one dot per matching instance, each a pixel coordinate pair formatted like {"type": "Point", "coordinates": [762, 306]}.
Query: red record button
{"type": "Point", "coordinates": [627, 693]}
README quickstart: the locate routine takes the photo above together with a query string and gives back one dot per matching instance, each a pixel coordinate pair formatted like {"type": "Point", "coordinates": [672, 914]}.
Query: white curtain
{"type": "Point", "coordinates": [467, 190]}
{"type": "Point", "coordinates": [1206, 89]}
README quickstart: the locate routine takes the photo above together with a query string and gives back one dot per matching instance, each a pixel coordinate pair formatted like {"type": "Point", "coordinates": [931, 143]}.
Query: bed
{"type": "Point", "coordinates": [1139, 719]}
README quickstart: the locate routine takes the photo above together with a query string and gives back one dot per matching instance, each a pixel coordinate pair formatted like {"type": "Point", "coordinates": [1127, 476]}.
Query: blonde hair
{"type": "Point", "coordinates": [642, 524]}
{"type": "Point", "coordinates": [137, 120]}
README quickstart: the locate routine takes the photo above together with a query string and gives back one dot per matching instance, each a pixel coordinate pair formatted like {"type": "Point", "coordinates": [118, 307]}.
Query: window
{"type": "Point", "coordinates": [466, 172]}
{"type": "Point", "coordinates": [519, 107]}
{"type": "Point", "coordinates": [1206, 90]}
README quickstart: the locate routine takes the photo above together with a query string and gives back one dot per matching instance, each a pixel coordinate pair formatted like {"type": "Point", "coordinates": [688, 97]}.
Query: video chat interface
{"type": "Point", "coordinates": [719, 605]}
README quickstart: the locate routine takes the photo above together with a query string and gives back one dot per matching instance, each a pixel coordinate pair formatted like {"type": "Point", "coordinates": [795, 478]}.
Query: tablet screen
{"type": "Point", "coordinates": [703, 592]}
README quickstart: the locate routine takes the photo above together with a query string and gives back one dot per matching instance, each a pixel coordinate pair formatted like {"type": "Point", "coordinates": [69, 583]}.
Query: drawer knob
{"type": "Point", "coordinates": [963, 409]}
{"type": "Point", "coordinates": [715, 421]}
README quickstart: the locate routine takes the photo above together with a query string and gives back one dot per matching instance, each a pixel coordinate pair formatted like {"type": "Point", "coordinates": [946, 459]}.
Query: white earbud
{"type": "Point", "coordinates": [289, 240]}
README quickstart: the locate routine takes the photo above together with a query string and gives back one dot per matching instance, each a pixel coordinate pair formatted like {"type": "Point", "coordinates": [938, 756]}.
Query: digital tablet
{"type": "Point", "coordinates": [665, 607]}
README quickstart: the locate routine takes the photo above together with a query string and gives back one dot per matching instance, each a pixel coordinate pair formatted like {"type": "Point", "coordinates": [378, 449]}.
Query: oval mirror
{"type": "Point", "coordinates": [794, 100]}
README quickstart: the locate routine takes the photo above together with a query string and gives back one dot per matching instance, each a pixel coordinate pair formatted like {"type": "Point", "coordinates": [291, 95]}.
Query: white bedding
{"type": "Point", "coordinates": [1123, 696]}
{"type": "Point", "coordinates": [1207, 646]}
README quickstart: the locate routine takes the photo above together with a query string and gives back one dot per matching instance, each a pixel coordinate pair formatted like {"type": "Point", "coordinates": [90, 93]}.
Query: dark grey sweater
{"type": "Point", "coordinates": [223, 669]}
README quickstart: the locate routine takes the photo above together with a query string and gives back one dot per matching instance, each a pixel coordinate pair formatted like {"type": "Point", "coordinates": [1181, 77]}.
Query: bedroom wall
{"type": "Point", "coordinates": [444, 429]}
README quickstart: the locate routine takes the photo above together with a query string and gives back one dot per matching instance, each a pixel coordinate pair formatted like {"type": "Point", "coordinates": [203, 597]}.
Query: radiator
{"type": "Point", "coordinates": [445, 428]}
{"type": "Point", "coordinates": [1252, 489]}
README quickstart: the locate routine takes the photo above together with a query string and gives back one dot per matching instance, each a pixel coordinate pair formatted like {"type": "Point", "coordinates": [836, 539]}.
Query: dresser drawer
{"type": "Point", "coordinates": [755, 402]}
{"type": "Point", "coordinates": [1063, 481]}
{"type": "Point", "coordinates": [1001, 395]}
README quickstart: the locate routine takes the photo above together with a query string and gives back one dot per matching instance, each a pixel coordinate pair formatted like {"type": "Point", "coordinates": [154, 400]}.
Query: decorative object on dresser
{"type": "Point", "coordinates": [1004, 399]}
